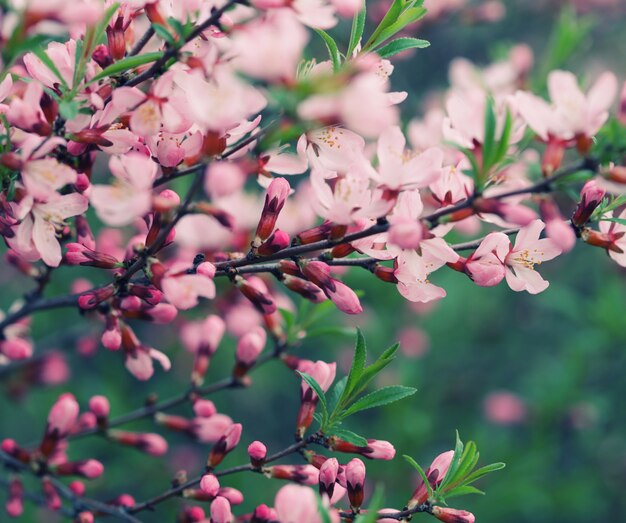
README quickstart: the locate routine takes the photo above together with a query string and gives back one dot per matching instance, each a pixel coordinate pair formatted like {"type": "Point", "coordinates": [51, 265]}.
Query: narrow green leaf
{"type": "Point", "coordinates": [358, 362]}
{"type": "Point", "coordinates": [335, 394]}
{"type": "Point", "coordinates": [407, 17]}
{"type": "Point", "coordinates": [350, 437]}
{"type": "Point", "coordinates": [503, 144]}
{"type": "Point", "coordinates": [380, 397]}
{"type": "Point", "coordinates": [401, 44]}
{"type": "Point", "coordinates": [450, 476]}
{"type": "Point", "coordinates": [421, 472]}
{"type": "Point", "coordinates": [358, 25]}
{"type": "Point", "coordinates": [68, 109]}
{"type": "Point", "coordinates": [333, 330]}
{"type": "Point", "coordinates": [479, 473]}
{"type": "Point", "coordinates": [390, 17]}
{"type": "Point", "coordinates": [463, 491]}
{"type": "Point", "coordinates": [322, 510]}
{"type": "Point", "coordinates": [333, 50]}
{"type": "Point", "coordinates": [368, 374]}
{"type": "Point", "coordinates": [163, 32]}
{"type": "Point", "coordinates": [125, 64]}
{"type": "Point", "coordinates": [621, 221]}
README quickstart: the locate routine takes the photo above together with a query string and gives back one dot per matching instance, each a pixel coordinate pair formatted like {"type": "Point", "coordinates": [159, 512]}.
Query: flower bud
{"type": "Point", "coordinates": [355, 479]}
{"type": "Point", "coordinates": [435, 474]}
{"type": "Point", "coordinates": [100, 406]}
{"type": "Point", "coordinates": [249, 347]}
{"type": "Point", "coordinates": [450, 515]}
{"type": "Point", "coordinates": [341, 295]}
{"type": "Point", "coordinates": [591, 196]}
{"type": "Point", "coordinates": [263, 514]}
{"type": "Point", "coordinates": [304, 288]}
{"type": "Point", "coordinates": [150, 443]}
{"type": "Point", "coordinates": [226, 443]}
{"type": "Point", "coordinates": [220, 511]}
{"type": "Point", "coordinates": [210, 485]}
{"type": "Point", "coordinates": [15, 502]}
{"type": "Point", "coordinates": [328, 476]}
{"type": "Point", "coordinates": [278, 241]}
{"type": "Point", "coordinates": [305, 474]}
{"type": "Point", "coordinates": [375, 449]}
{"type": "Point", "coordinates": [61, 420]}
{"type": "Point", "coordinates": [89, 469]}
{"type": "Point", "coordinates": [257, 294]}
{"type": "Point", "coordinates": [257, 452]}
{"type": "Point", "coordinates": [275, 199]}
{"type": "Point", "coordinates": [91, 299]}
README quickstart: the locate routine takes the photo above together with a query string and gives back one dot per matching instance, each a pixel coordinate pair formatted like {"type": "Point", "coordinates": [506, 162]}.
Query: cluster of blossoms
{"type": "Point", "coordinates": [277, 180]}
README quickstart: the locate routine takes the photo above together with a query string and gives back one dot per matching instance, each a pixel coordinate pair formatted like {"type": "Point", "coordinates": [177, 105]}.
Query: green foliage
{"type": "Point", "coordinates": [493, 149]}
{"type": "Point", "coordinates": [401, 14]}
{"type": "Point", "coordinates": [333, 50]}
{"type": "Point", "coordinates": [402, 44]}
{"type": "Point", "coordinates": [346, 397]}
{"type": "Point", "coordinates": [125, 64]}
{"type": "Point", "coordinates": [461, 473]}
{"type": "Point", "coordinates": [568, 35]}
{"type": "Point", "coordinates": [356, 33]}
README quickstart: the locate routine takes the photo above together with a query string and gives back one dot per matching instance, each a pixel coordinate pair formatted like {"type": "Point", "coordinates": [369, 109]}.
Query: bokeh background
{"type": "Point", "coordinates": [537, 381]}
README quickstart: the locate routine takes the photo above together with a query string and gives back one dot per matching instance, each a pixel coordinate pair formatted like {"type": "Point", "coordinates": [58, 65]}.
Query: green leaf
{"type": "Point", "coordinates": [479, 473]}
{"type": "Point", "coordinates": [358, 25]}
{"type": "Point", "coordinates": [381, 397]}
{"type": "Point", "coordinates": [125, 64]}
{"type": "Point", "coordinates": [463, 491]}
{"type": "Point", "coordinates": [408, 16]}
{"type": "Point", "coordinates": [621, 221]}
{"type": "Point", "coordinates": [164, 33]}
{"type": "Point", "coordinates": [402, 44]}
{"type": "Point", "coordinates": [318, 391]}
{"type": "Point", "coordinates": [335, 394]}
{"type": "Point", "coordinates": [333, 50]}
{"type": "Point", "coordinates": [350, 437]}
{"type": "Point", "coordinates": [322, 510]}
{"type": "Point", "coordinates": [454, 465]}
{"type": "Point", "coordinates": [68, 109]}
{"type": "Point", "coordinates": [358, 362]}
{"type": "Point", "coordinates": [390, 17]}
{"type": "Point", "coordinates": [421, 472]}
{"type": "Point", "coordinates": [503, 144]}
{"type": "Point", "coordinates": [385, 359]}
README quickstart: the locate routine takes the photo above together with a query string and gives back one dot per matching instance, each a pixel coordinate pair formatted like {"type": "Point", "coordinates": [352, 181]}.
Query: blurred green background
{"type": "Point", "coordinates": [561, 353]}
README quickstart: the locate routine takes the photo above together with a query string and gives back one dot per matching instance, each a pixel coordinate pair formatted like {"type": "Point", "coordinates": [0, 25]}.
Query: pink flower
{"type": "Point", "coordinates": [572, 113]}
{"type": "Point", "coordinates": [486, 266]}
{"type": "Point", "coordinates": [250, 345]}
{"type": "Point", "coordinates": [527, 252]}
{"type": "Point", "coordinates": [139, 357]}
{"type": "Point", "coordinates": [228, 441]}
{"type": "Point", "coordinates": [183, 289]}
{"type": "Point", "coordinates": [257, 452]}
{"type": "Point", "coordinates": [130, 196]}
{"type": "Point", "coordinates": [331, 148]}
{"type": "Point", "coordinates": [36, 235]}
{"type": "Point", "coordinates": [270, 48]}
{"type": "Point", "coordinates": [63, 416]}
{"type": "Point", "coordinates": [296, 504]}
{"type": "Point", "coordinates": [400, 169]}
{"type": "Point", "coordinates": [26, 112]}
{"type": "Point", "coordinates": [435, 474]}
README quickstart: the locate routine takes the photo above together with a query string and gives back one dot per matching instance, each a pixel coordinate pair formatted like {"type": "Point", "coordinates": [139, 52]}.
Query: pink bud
{"type": "Point", "coordinates": [206, 269]}
{"type": "Point", "coordinates": [220, 511]}
{"type": "Point", "coordinates": [16, 348]}
{"type": "Point", "coordinates": [90, 469]}
{"type": "Point", "coordinates": [204, 408]}
{"type": "Point", "coordinates": [347, 8]}
{"type": "Point", "coordinates": [450, 515]}
{"type": "Point", "coordinates": [77, 487]}
{"type": "Point", "coordinates": [257, 452]}
{"type": "Point", "coordinates": [264, 514]}
{"type": "Point", "coordinates": [355, 479]}
{"type": "Point", "coordinates": [591, 196]}
{"type": "Point", "coordinates": [210, 484]}
{"type": "Point", "coordinates": [100, 406]}
{"type": "Point", "coordinates": [278, 241]}
{"type": "Point", "coordinates": [91, 299]}
{"type": "Point", "coordinates": [328, 476]}
{"type": "Point", "coordinates": [62, 416]}
{"type": "Point", "coordinates": [226, 443]}
{"type": "Point", "coordinates": [250, 346]}
{"type": "Point", "coordinates": [84, 517]}
{"type": "Point", "coordinates": [150, 443]}
{"type": "Point", "coordinates": [14, 505]}
{"type": "Point", "coordinates": [275, 199]}
{"type": "Point", "coordinates": [342, 296]}
{"type": "Point", "coordinates": [162, 313]}
{"type": "Point", "coordinates": [234, 496]}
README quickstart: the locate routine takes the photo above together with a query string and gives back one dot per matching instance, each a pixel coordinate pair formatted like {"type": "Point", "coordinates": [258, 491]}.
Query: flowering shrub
{"type": "Point", "coordinates": [232, 176]}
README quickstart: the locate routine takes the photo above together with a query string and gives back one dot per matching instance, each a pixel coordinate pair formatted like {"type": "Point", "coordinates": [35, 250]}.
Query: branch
{"type": "Point", "coordinates": [149, 504]}
{"type": "Point", "coordinates": [78, 503]}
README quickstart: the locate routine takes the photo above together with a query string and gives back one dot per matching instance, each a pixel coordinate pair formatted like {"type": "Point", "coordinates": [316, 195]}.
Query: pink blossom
{"type": "Point", "coordinates": [331, 148]}
{"type": "Point", "coordinates": [527, 252]}
{"type": "Point", "coordinates": [572, 113]}
{"type": "Point", "coordinates": [296, 504]}
{"type": "Point", "coordinates": [130, 196]}
{"type": "Point", "coordinates": [250, 346]}
{"type": "Point", "coordinates": [36, 235]}
{"type": "Point", "coordinates": [63, 416]}
{"type": "Point", "coordinates": [183, 289]}
{"type": "Point", "coordinates": [485, 266]}
{"type": "Point", "coordinates": [400, 169]}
